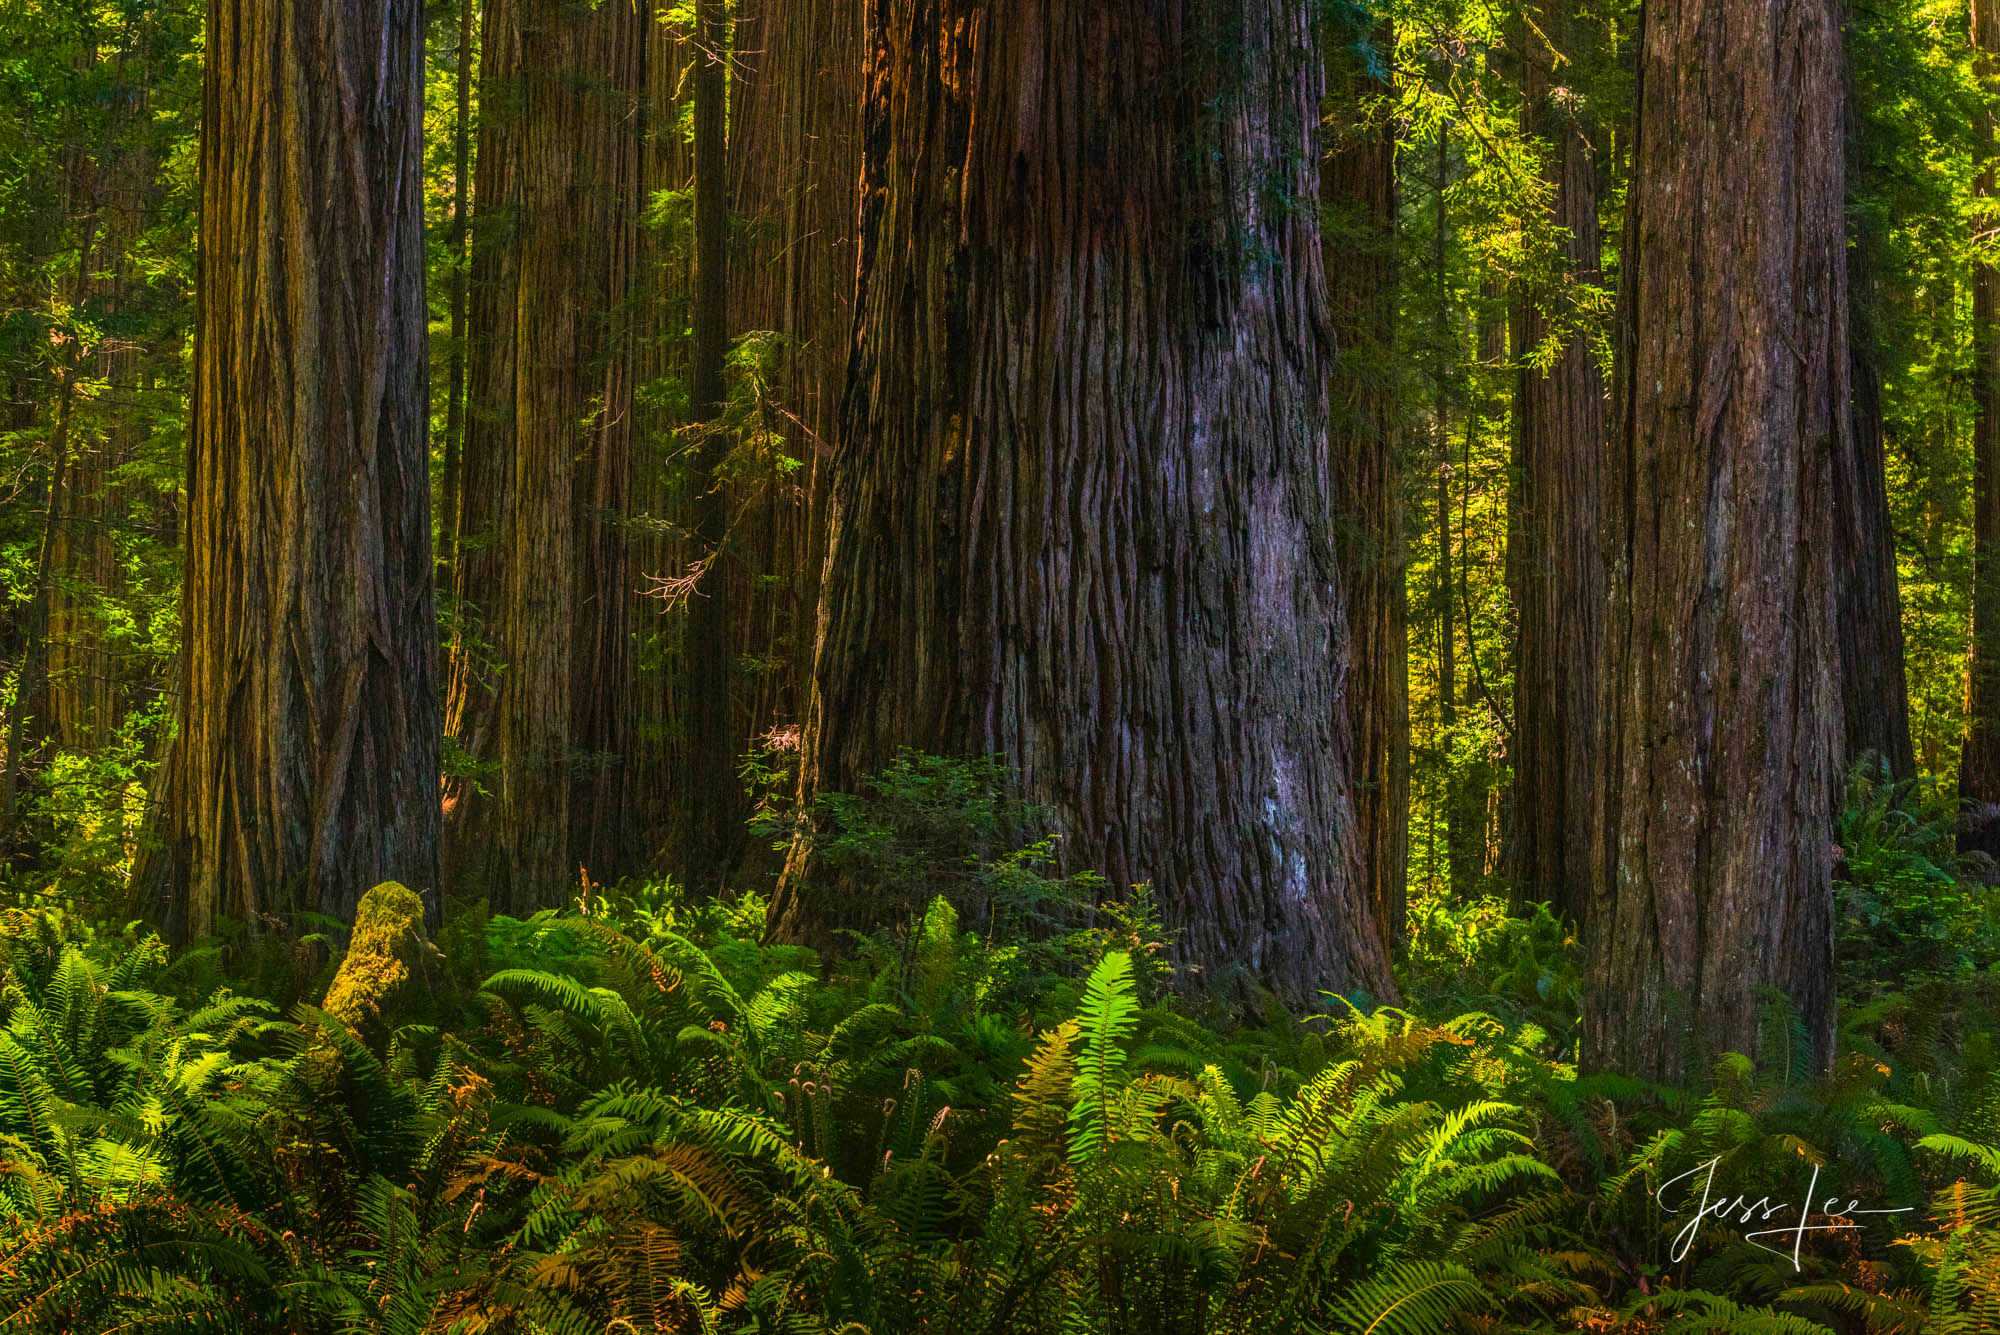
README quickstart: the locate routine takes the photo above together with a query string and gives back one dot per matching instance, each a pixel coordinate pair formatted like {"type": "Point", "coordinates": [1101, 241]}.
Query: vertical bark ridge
{"type": "Point", "coordinates": [1733, 392]}
{"type": "Point", "coordinates": [563, 732]}
{"type": "Point", "coordinates": [307, 748]}
{"type": "Point", "coordinates": [542, 683]}
{"type": "Point", "coordinates": [1080, 515]}
{"type": "Point", "coordinates": [1556, 518]}
{"type": "Point", "coordinates": [1358, 187]}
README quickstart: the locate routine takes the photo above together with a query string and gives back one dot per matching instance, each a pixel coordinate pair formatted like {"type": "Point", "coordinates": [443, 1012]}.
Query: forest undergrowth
{"type": "Point", "coordinates": [1009, 1115]}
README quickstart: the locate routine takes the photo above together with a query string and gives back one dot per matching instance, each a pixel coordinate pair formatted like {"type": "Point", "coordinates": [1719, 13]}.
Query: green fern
{"type": "Point", "coordinates": [1106, 1018]}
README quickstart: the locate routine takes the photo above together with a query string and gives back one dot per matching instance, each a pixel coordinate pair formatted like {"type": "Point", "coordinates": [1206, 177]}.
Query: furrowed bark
{"type": "Point", "coordinates": [1733, 397]}
{"type": "Point", "coordinates": [307, 757]}
{"type": "Point", "coordinates": [1080, 514]}
{"type": "Point", "coordinates": [1358, 188]}
{"type": "Point", "coordinates": [556, 388]}
{"type": "Point", "coordinates": [1557, 518]}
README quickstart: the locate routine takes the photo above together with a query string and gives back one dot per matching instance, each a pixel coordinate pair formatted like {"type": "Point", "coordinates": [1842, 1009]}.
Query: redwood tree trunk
{"type": "Point", "coordinates": [1080, 508]}
{"type": "Point", "coordinates": [486, 452]}
{"type": "Point", "coordinates": [1556, 517]}
{"type": "Point", "coordinates": [564, 729]}
{"type": "Point", "coordinates": [1874, 687]}
{"type": "Point", "coordinates": [713, 835]}
{"type": "Point", "coordinates": [308, 746]}
{"type": "Point", "coordinates": [549, 420]}
{"type": "Point", "coordinates": [1733, 391]}
{"type": "Point", "coordinates": [1979, 761]}
{"type": "Point", "coordinates": [823, 64]}
{"type": "Point", "coordinates": [1358, 186]}
{"type": "Point", "coordinates": [793, 166]}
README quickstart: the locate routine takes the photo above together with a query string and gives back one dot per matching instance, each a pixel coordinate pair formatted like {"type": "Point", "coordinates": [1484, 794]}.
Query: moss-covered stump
{"type": "Point", "coordinates": [387, 963]}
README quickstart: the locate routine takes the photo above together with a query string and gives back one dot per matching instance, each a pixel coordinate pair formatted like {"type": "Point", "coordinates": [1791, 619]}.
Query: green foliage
{"type": "Point", "coordinates": [653, 1120]}
{"type": "Point", "coordinates": [1911, 907]}
{"type": "Point", "coordinates": [1475, 956]}
{"type": "Point", "coordinates": [928, 826]}
{"type": "Point", "coordinates": [98, 106]}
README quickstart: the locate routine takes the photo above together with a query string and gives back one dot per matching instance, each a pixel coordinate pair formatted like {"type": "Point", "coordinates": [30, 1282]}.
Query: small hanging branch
{"type": "Point", "coordinates": [673, 590]}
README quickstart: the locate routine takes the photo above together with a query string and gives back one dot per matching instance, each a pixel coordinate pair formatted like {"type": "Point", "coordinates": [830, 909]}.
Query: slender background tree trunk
{"type": "Point", "coordinates": [485, 492]}
{"type": "Point", "coordinates": [1979, 761]}
{"type": "Point", "coordinates": [1556, 515]}
{"type": "Point", "coordinates": [714, 835]}
{"type": "Point", "coordinates": [793, 166]}
{"type": "Point", "coordinates": [1874, 685]}
{"type": "Point", "coordinates": [1358, 187]}
{"type": "Point", "coordinates": [542, 686]}
{"type": "Point", "coordinates": [461, 216]}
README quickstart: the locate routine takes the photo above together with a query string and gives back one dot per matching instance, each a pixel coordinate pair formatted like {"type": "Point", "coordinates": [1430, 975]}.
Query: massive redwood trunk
{"type": "Point", "coordinates": [1080, 513]}
{"type": "Point", "coordinates": [1555, 559]}
{"type": "Point", "coordinates": [308, 745]}
{"type": "Point", "coordinates": [1358, 187]}
{"type": "Point", "coordinates": [1733, 389]}
{"type": "Point", "coordinates": [550, 411]}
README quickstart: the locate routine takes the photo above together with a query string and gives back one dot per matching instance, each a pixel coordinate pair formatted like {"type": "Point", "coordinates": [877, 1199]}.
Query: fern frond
{"type": "Point", "coordinates": [1410, 1298]}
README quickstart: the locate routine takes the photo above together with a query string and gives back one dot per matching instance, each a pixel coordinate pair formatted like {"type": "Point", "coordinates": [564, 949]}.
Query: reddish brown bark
{"type": "Point", "coordinates": [1733, 394]}
{"type": "Point", "coordinates": [551, 409]}
{"type": "Point", "coordinates": [307, 753]}
{"type": "Point", "coordinates": [712, 835]}
{"type": "Point", "coordinates": [1080, 514]}
{"type": "Point", "coordinates": [1555, 559]}
{"type": "Point", "coordinates": [1358, 187]}
{"type": "Point", "coordinates": [793, 164]}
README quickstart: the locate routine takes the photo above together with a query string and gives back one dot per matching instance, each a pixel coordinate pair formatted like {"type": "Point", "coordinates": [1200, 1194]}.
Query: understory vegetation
{"type": "Point", "coordinates": [629, 1114]}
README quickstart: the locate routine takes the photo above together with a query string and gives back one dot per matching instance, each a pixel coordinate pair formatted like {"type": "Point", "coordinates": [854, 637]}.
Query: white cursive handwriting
{"type": "Point", "coordinates": [1745, 1210]}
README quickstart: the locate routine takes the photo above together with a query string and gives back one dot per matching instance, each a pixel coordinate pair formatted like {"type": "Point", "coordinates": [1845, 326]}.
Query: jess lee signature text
{"type": "Point", "coordinates": [1836, 1216]}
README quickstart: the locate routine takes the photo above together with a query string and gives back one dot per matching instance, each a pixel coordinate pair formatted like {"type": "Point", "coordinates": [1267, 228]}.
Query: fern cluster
{"type": "Point", "coordinates": [642, 1119]}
